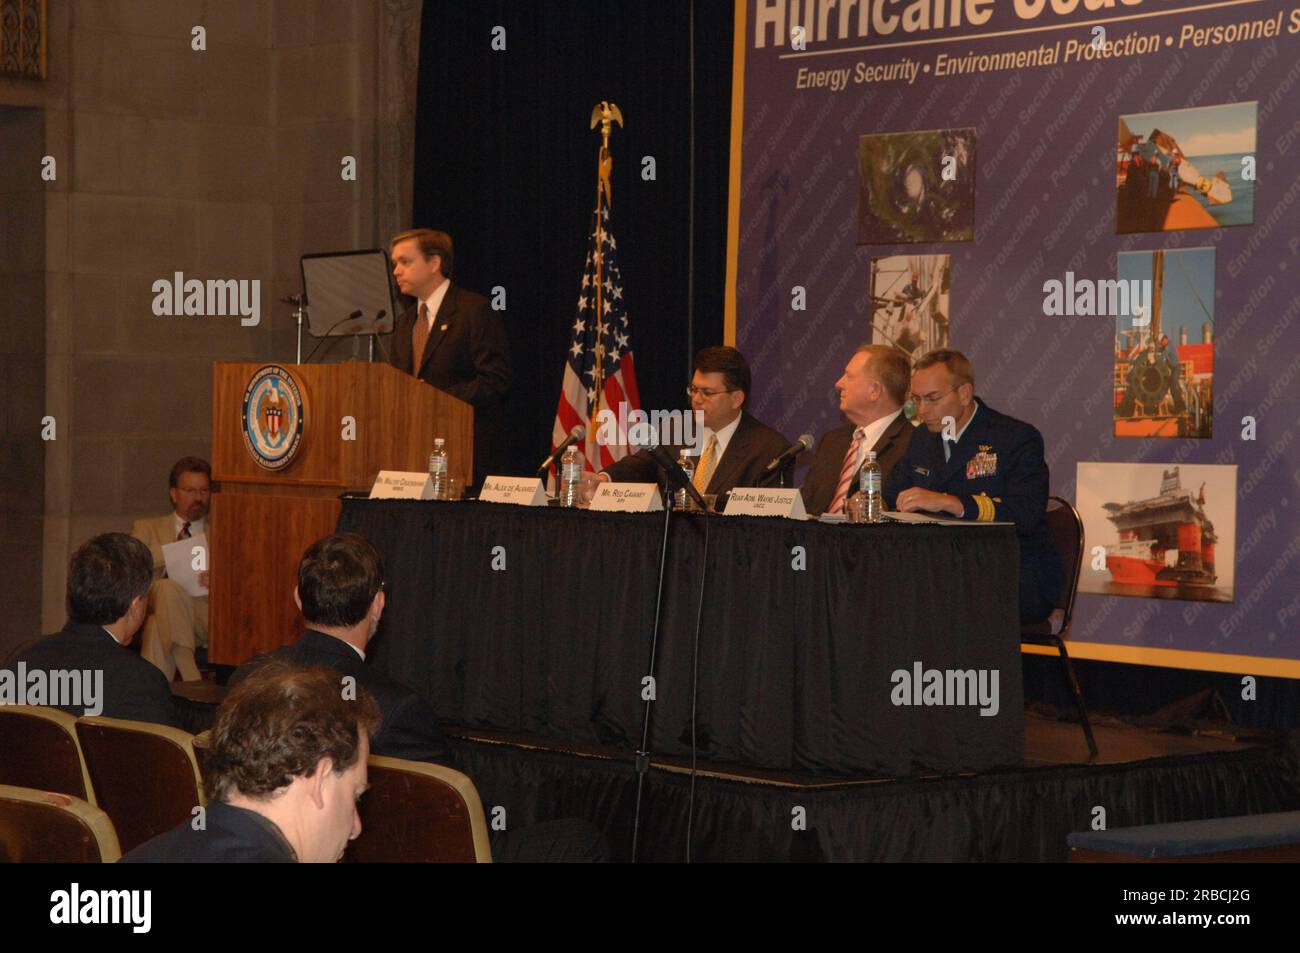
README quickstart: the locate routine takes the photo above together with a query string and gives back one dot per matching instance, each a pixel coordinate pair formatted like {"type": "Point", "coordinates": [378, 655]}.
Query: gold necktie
{"type": "Point", "coordinates": [708, 463]}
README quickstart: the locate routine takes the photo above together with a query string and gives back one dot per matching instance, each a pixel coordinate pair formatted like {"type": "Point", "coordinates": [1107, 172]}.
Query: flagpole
{"type": "Point", "coordinates": [606, 113]}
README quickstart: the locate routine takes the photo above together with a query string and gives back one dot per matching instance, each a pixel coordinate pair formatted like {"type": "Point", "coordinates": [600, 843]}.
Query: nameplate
{"type": "Point", "coordinates": [518, 491]}
{"type": "Point", "coordinates": [755, 501]}
{"type": "Point", "coordinates": [396, 485]}
{"type": "Point", "coordinates": [627, 498]}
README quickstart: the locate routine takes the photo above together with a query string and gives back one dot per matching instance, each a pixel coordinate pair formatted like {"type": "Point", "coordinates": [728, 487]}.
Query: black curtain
{"type": "Point", "coordinates": [1005, 816]}
{"type": "Point", "coordinates": [506, 163]}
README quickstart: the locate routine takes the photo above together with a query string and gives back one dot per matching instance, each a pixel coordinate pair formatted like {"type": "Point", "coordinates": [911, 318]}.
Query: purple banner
{"type": "Point", "coordinates": [973, 173]}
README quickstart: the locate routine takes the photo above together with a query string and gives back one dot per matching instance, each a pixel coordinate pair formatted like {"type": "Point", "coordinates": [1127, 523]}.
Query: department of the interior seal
{"type": "Point", "coordinates": [272, 417]}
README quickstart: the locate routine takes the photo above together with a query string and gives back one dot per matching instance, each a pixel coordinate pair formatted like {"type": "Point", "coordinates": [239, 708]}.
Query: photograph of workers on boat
{"type": "Point", "coordinates": [916, 187]}
{"type": "Point", "coordinates": [1164, 344]}
{"type": "Point", "coordinates": [1186, 168]}
{"type": "Point", "coordinates": [1168, 531]}
{"type": "Point", "coordinates": [909, 302]}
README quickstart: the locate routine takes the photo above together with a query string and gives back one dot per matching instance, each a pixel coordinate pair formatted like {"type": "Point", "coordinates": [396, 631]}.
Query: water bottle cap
{"type": "Point", "coordinates": [438, 442]}
{"type": "Point", "coordinates": [871, 455]}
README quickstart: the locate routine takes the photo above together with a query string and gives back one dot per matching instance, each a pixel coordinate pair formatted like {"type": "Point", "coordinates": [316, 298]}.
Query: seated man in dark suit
{"type": "Point", "coordinates": [735, 447]}
{"type": "Point", "coordinates": [340, 591]}
{"type": "Point", "coordinates": [285, 769]}
{"type": "Point", "coordinates": [108, 598]}
{"type": "Point", "coordinates": [974, 463]}
{"type": "Point", "coordinates": [872, 391]}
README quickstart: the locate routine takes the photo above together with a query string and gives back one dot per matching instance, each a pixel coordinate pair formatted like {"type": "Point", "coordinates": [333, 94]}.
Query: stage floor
{"type": "Point", "coordinates": [1049, 743]}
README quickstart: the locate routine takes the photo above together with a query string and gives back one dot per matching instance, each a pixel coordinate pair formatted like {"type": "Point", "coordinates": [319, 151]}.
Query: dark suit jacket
{"type": "Point", "coordinates": [133, 689]}
{"type": "Point", "coordinates": [824, 476]}
{"type": "Point", "coordinates": [751, 448]}
{"type": "Point", "coordinates": [410, 727]}
{"type": "Point", "coordinates": [468, 356]}
{"type": "Point", "coordinates": [231, 835]}
{"type": "Point", "coordinates": [1009, 482]}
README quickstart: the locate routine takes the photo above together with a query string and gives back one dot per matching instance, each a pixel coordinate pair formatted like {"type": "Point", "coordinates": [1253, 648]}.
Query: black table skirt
{"type": "Point", "coordinates": [794, 664]}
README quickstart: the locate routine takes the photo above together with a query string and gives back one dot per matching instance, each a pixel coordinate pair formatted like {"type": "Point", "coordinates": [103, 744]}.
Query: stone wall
{"type": "Point", "coordinates": [222, 163]}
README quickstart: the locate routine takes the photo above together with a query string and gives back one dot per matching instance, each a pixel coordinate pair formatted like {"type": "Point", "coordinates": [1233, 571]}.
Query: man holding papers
{"type": "Point", "coordinates": [971, 462]}
{"type": "Point", "coordinates": [176, 629]}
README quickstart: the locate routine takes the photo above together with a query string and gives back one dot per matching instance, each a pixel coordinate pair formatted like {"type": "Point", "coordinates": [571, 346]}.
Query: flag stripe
{"type": "Point", "coordinates": [577, 392]}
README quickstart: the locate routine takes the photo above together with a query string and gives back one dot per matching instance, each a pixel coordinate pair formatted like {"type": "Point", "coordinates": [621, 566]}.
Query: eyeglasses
{"type": "Point", "coordinates": [932, 398]}
{"type": "Point", "coordinates": [692, 390]}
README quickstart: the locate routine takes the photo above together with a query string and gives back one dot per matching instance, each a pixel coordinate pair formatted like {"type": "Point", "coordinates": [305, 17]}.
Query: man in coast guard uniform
{"type": "Point", "coordinates": [984, 466]}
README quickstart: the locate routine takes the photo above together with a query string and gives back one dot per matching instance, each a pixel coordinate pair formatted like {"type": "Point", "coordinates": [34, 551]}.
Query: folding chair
{"type": "Point", "coordinates": [1066, 526]}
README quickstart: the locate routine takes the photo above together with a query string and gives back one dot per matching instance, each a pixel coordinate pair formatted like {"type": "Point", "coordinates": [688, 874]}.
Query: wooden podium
{"type": "Point", "coordinates": [356, 419]}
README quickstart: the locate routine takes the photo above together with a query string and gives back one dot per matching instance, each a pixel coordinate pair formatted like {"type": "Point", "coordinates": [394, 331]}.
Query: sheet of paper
{"type": "Point", "coordinates": [891, 515]}
{"type": "Point", "coordinates": [181, 557]}
{"type": "Point", "coordinates": [898, 517]}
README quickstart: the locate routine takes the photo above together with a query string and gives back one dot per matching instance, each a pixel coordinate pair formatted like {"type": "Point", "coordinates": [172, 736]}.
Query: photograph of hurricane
{"type": "Point", "coordinates": [916, 187]}
{"type": "Point", "coordinates": [1186, 168]}
{"type": "Point", "coordinates": [1164, 358]}
{"type": "Point", "coordinates": [1168, 531]}
{"type": "Point", "coordinates": [909, 302]}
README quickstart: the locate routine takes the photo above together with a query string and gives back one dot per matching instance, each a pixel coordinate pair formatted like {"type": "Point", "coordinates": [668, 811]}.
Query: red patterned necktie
{"type": "Point", "coordinates": [419, 338]}
{"type": "Point", "coordinates": [846, 473]}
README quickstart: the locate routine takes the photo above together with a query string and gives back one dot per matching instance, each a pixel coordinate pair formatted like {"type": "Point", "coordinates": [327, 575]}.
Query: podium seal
{"type": "Point", "coordinates": [272, 417]}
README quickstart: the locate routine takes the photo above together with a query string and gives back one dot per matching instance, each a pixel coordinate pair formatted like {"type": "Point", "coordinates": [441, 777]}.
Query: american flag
{"type": "Point", "coordinates": [601, 294]}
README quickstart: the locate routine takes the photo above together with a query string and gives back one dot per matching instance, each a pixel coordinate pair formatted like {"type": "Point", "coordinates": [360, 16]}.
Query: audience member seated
{"type": "Point", "coordinates": [176, 630]}
{"type": "Point", "coordinates": [285, 768]}
{"type": "Point", "coordinates": [88, 665]}
{"type": "Point", "coordinates": [341, 593]}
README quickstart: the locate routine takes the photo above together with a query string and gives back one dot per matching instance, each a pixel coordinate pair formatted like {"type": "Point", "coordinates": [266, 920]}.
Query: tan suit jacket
{"type": "Point", "coordinates": [155, 532]}
{"type": "Point", "coordinates": [176, 620]}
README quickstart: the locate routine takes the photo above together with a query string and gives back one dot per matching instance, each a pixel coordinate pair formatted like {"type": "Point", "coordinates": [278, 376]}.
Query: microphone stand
{"type": "Point", "coordinates": [643, 752]}
{"type": "Point", "coordinates": [299, 302]}
{"type": "Point", "coordinates": [375, 339]}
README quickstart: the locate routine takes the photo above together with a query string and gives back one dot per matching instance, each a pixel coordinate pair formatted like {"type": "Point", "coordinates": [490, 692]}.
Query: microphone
{"type": "Point", "coordinates": [325, 337]}
{"type": "Point", "coordinates": [676, 475]}
{"type": "Point", "coordinates": [576, 434]}
{"type": "Point", "coordinates": [374, 333]}
{"type": "Point", "coordinates": [799, 446]}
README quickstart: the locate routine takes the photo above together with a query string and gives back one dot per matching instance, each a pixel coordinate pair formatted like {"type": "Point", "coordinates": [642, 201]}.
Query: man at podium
{"type": "Point", "coordinates": [451, 338]}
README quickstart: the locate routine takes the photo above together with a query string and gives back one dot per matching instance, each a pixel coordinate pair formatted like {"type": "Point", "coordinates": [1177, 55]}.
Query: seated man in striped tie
{"type": "Point", "coordinates": [175, 632]}
{"type": "Point", "coordinates": [872, 390]}
{"type": "Point", "coordinates": [735, 447]}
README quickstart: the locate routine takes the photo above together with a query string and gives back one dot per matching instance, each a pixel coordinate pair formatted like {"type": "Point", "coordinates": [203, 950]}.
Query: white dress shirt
{"type": "Point", "coordinates": [949, 444]}
{"type": "Point", "coordinates": [434, 302]}
{"type": "Point", "coordinates": [724, 438]}
{"type": "Point", "coordinates": [198, 526]}
{"type": "Point", "coordinates": [871, 434]}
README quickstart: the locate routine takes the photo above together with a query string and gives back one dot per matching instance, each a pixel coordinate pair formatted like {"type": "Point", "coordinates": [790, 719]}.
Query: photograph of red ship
{"type": "Point", "coordinates": [1164, 545]}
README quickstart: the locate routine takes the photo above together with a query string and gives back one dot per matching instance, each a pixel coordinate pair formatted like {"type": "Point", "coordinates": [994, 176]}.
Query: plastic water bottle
{"type": "Point", "coordinates": [438, 469]}
{"type": "Point", "coordinates": [571, 477]}
{"type": "Point", "coordinates": [681, 497]}
{"type": "Point", "coordinates": [867, 505]}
